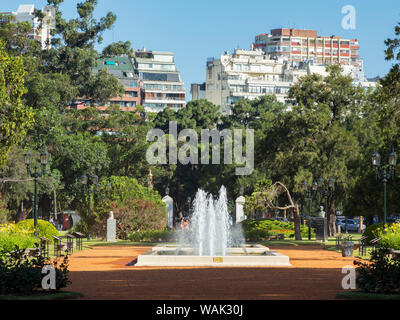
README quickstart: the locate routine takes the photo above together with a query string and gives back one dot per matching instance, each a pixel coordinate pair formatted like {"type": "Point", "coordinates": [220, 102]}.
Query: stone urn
{"type": "Point", "coordinates": [347, 248]}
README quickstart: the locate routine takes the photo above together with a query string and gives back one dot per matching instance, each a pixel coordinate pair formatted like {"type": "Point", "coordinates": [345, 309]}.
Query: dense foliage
{"type": "Point", "coordinates": [261, 229]}
{"type": "Point", "coordinates": [381, 274]}
{"type": "Point", "coordinates": [372, 232]}
{"type": "Point", "coordinates": [136, 208]}
{"type": "Point", "coordinates": [153, 236]}
{"type": "Point", "coordinates": [23, 276]}
{"type": "Point", "coordinates": [389, 235]}
{"type": "Point", "coordinates": [45, 229]}
{"type": "Point", "coordinates": [9, 241]}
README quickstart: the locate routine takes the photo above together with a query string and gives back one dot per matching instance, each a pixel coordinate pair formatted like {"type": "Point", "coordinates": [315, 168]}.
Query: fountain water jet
{"type": "Point", "coordinates": [211, 241]}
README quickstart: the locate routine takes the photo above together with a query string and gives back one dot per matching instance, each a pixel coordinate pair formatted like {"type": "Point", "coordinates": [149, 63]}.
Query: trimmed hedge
{"type": "Point", "coordinates": [152, 236]}
{"type": "Point", "coordinates": [9, 241]}
{"type": "Point", "coordinates": [45, 228]}
{"type": "Point", "coordinates": [258, 230]}
{"type": "Point", "coordinates": [371, 231]}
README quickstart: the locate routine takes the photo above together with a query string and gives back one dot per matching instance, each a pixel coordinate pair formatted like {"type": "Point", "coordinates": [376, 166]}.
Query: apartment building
{"type": "Point", "coordinates": [246, 74]}
{"type": "Point", "coordinates": [198, 91]}
{"type": "Point", "coordinates": [41, 30]}
{"type": "Point", "coordinates": [253, 73]}
{"type": "Point", "coordinates": [122, 67]}
{"type": "Point", "coordinates": [296, 45]}
{"type": "Point", "coordinates": [162, 86]}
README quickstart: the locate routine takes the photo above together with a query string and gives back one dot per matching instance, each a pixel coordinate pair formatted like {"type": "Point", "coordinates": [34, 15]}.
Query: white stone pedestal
{"type": "Point", "coordinates": [240, 216]}
{"type": "Point", "coordinates": [111, 228]}
{"type": "Point", "coordinates": [169, 203]}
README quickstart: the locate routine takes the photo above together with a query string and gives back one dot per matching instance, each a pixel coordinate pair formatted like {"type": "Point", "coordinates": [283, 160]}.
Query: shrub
{"type": "Point", "coordinates": [4, 213]}
{"type": "Point", "coordinates": [381, 274]}
{"type": "Point", "coordinates": [265, 228]}
{"type": "Point", "coordinates": [391, 237]}
{"type": "Point", "coordinates": [19, 275]}
{"type": "Point", "coordinates": [256, 235]}
{"type": "Point", "coordinates": [152, 236]}
{"type": "Point", "coordinates": [9, 241]}
{"type": "Point", "coordinates": [45, 228]}
{"type": "Point", "coordinates": [372, 231]}
{"type": "Point", "coordinates": [135, 207]}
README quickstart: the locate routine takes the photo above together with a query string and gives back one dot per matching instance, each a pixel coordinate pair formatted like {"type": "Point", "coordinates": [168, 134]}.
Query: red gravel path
{"type": "Point", "coordinates": [101, 273]}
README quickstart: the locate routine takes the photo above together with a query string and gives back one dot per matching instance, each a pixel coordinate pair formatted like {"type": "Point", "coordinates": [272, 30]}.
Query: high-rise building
{"type": "Point", "coordinates": [122, 67]}
{"type": "Point", "coordinates": [245, 74]}
{"type": "Point", "coordinates": [253, 73]}
{"type": "Point", "coordinates": [198, 91]}
{"type": "Point", "coordinates": [162, 86]}
{"type": "Point", "coordinates": [296, 45]}
{"type": "Point", "coordinates": [41, 30]}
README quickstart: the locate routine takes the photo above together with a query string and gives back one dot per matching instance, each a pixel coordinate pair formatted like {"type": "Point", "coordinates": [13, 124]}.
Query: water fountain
{"type": "Point", "coordinates": [211, 241]}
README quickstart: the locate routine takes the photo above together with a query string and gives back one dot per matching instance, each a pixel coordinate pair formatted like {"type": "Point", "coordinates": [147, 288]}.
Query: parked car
{"type": "Point", "coordinates": [352, 224]}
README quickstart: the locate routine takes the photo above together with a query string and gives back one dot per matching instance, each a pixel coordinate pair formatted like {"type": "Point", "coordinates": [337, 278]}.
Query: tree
{"type": "Point", "coordinates": [15, 118]}
{"type": "Point", "coordinates": [317, 137]}
{"type": "Point", "coordinates": [73, 52]}
{"type": "Point", "coordinates": [118, 48]}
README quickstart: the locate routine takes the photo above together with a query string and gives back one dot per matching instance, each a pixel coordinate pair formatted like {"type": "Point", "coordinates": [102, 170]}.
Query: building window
{"type": "Point", "coordinates": [132, 94]}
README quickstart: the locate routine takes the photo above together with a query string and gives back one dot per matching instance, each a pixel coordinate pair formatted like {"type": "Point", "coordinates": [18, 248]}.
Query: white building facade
{"type": "Point", "coordinates": [245, 74]}
{"type": "Point", "coordinates": [162, 86]}
{"type": "Point", "coordinates": [41, 30]}
{"type": "Point", "coordinates": [253, 73]}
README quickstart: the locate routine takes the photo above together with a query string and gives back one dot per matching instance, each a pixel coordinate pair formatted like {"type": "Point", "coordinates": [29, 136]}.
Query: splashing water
{"type": "Point", "coordinates": [210, 231]}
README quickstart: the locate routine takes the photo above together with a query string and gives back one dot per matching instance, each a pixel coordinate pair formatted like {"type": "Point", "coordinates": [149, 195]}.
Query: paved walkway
{"type": "Point", "coordinates": [102, 273]}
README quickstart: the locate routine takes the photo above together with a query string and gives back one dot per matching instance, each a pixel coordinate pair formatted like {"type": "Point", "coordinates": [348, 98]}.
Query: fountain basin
{"type": "Point", "coordinates": [245, 256]}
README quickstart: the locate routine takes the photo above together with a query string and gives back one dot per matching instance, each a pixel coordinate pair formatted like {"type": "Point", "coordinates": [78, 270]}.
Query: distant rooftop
{"type": "Point", "coordinates": [26, 8]}
{"type": "Point", "coordinates": [119, 66]}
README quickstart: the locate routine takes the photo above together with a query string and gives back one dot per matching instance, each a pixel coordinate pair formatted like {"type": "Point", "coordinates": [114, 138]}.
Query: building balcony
{"type": "Point", "coordinates": [164, 101]}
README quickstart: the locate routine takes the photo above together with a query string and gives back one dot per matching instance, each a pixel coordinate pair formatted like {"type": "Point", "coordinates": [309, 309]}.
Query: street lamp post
{"type": "Point", "coordinates": [385, 172]}
{"type": "Point", "coordinates": [35, 174]}
{"type": "Point", "coordinates": [90, 186]}
{"type": "Point", "coordinates": [309, 193]}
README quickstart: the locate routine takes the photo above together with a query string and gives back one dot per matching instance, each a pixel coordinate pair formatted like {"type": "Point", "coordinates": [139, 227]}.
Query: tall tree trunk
{"type": "Point", "coordinates": [297, 222]}
{"type": "Point", "coordinates": [331, 219]}
{"type": "Point", "coordinates": [360, 227]}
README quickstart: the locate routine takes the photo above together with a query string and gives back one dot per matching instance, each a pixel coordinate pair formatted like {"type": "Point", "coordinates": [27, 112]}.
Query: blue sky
{"type": "Point", "coordinates": [196, 30]}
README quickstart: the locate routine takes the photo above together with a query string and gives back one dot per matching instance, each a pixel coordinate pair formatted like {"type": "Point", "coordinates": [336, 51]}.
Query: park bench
{"type": "Point", "coordinates": [32, 252]}
{"type": "Point", "coordinates": [362, 245]}
{"type": "Point", "coordinates": [277, 237]}
{"type": "Point", "coordinates": [70, 243]}
{"type": "Point", "coordinates": [79, 236]}
{"type": "Point", "coordinates": [338, 240]}
{"type": "Point", "coordinates": [374, 242]}
{"type": "Point", "coordinates": [396, 254]}
{"type": "Point", "coordinates": [44, 246]}
{"type": "Point", "coordinates": [59, 246]}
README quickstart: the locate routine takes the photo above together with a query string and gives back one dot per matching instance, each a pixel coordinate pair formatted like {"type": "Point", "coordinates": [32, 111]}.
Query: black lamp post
{"type": "Point", "coordinates": [309, 193]}
{"type": "Point", "coordinates": [90, 185]}
{"type": "Point", "coordinates": [35, 174]}
{"type": "Point", "coordinates": [385, 172]}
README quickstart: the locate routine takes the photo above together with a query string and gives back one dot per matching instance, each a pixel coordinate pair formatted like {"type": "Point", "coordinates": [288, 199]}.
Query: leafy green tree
{"type": "Point", "coordinates": [73, 52]}
{"type": "Point", "coordinates": [15, 117]}
{"type": "Point", "coordinates": [118, 48]}
{"type": "Point", "coordinates": [316, 138]}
